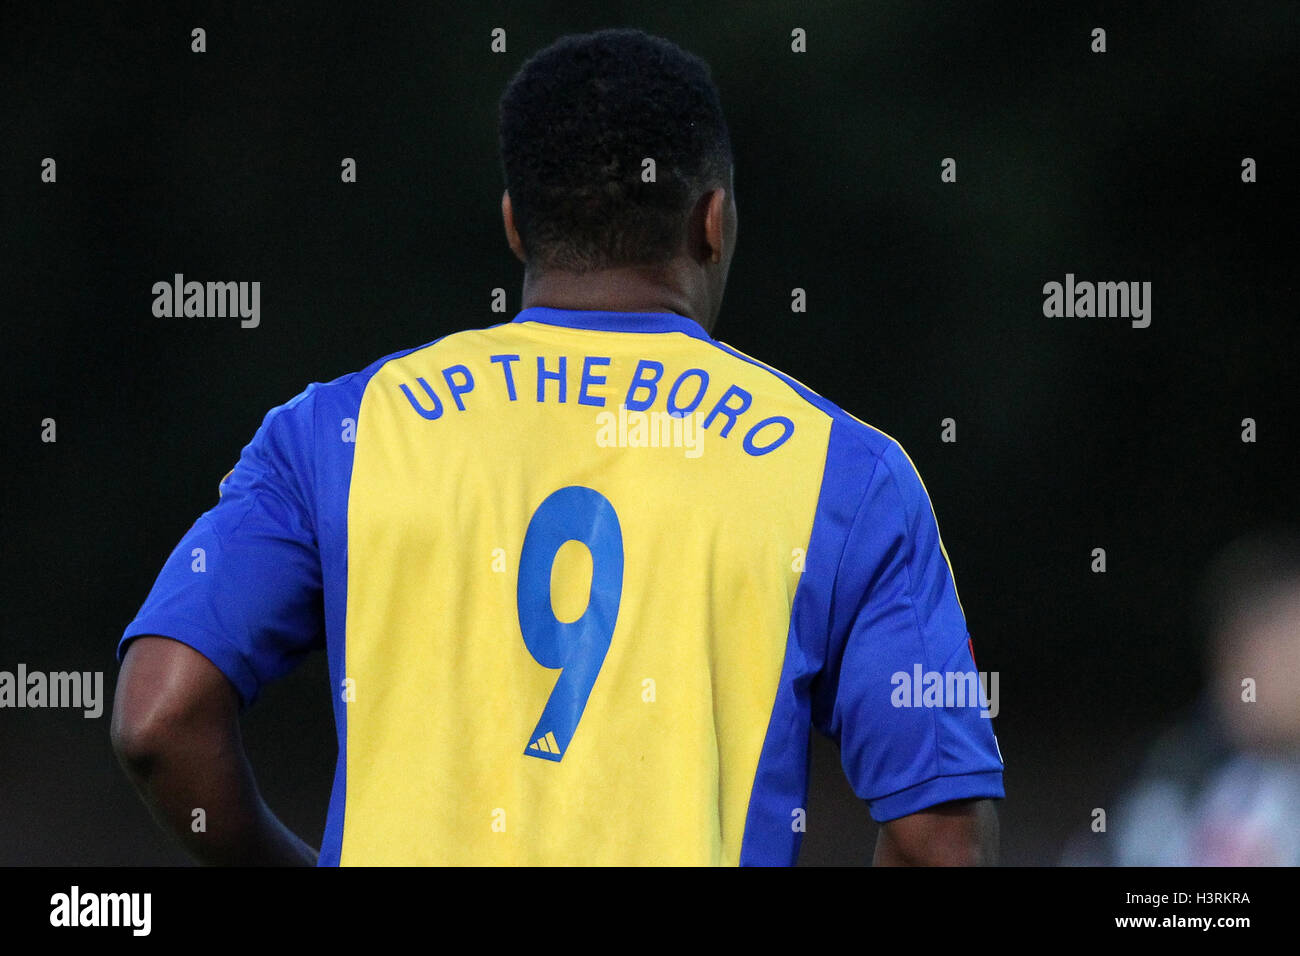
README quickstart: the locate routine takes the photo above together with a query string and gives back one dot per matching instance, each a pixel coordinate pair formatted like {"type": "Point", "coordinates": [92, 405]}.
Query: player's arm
{"type": "Point", "coordinates": [241, 598]}
{"type": "Point", "coordinates": [927, 764]}
{"type": "Point", "coordinates": [956, 833]}
{"type": "Point", "coordinates": [176, 732]}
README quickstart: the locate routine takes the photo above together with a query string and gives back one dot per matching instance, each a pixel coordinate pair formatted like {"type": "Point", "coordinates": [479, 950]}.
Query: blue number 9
{"type": "Point", "coordinates": [576, 648]}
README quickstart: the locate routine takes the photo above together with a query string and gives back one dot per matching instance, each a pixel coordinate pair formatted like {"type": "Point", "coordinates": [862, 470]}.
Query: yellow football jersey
{"type": "Point", "coordinates": [586, 581]}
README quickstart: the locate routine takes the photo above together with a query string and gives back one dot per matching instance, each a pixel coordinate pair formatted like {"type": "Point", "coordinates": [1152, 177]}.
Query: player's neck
{"type": "Point", "coordinates": [622, 289]}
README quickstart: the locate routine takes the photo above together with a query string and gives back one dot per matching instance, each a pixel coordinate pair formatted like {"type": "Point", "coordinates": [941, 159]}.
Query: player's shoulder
{"type": "Point", "coordinates": [338, 399]}
{"type": "Point", "coordinates": [862, 460]}
{"type": "Point", "coordinates": [343, 392]}
{"type": "Point", "coordinates": [354, 383]}
{"type": "Point", "coordinates": [864, 443]}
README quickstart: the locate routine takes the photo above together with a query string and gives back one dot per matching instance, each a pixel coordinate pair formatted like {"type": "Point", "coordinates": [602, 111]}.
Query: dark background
{"type": "Point", "coordinates": [925, 302]}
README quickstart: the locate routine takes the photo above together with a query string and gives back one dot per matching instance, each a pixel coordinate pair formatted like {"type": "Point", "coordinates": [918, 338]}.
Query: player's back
{"type": "Point", "coordinates": [586, 581]}
{"type": "Point", "coordinates": [573, 555]}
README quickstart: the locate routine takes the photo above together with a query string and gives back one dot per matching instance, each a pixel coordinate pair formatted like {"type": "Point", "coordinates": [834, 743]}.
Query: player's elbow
{"type": "Point", "coordinates": [169, 699]}
{"type": "Point", "coordinates": [140, 737]}
{"type": "Point", "coordinates": [152, 729]}
{"type": "Point", "coordinates": [961, 850]}
{"type": "Point", "coordinates": [944, 849]}
{"type": "Point", "coordinates": [960, 833]}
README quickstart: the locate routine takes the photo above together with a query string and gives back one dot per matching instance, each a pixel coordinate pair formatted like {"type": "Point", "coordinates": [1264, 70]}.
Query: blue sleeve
{"type": "Point", "coordinates": [243, 586]}
{"type": "Point", "coordinates": [899, 661]}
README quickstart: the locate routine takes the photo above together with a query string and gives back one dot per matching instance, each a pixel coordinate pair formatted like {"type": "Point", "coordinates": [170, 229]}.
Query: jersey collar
{"type": "Point", "coordinates": [600, 321]}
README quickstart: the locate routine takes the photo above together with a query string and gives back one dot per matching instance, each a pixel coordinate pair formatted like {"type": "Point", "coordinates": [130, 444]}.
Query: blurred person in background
{"type": "Point", "coordinates": [1221, 787]}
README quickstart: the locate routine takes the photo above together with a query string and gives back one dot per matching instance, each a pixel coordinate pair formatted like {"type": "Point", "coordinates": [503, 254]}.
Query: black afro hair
{"type": "Point", "coordinates": [577, 122]}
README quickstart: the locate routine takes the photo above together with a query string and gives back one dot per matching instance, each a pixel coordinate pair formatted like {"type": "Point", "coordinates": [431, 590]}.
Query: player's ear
{"type": "Point", "coordinates": [512, 234]}
{"type": "Point", "coordinates": [717, 224]}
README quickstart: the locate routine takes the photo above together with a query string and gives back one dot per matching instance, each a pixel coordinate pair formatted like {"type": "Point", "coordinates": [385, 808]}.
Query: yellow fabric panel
{"type": "Point", "coordinates": [661, 764]}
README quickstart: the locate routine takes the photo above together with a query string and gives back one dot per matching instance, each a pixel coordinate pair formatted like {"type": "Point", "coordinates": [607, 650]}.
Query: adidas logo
{"type": "Point", "coordinates": [545, 746]}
